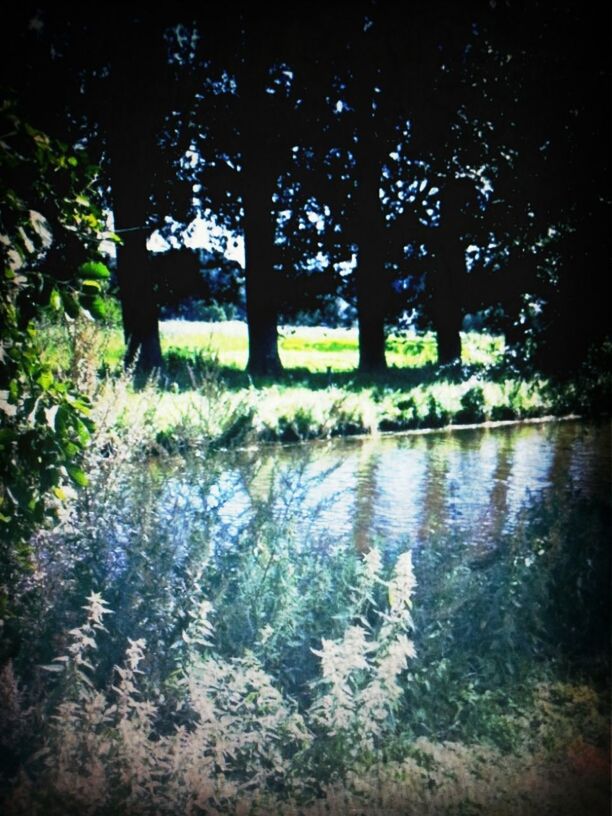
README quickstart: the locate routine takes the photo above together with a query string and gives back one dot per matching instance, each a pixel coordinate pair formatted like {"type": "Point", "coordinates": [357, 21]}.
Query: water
{"type": "Point", "coordinates": [509, 532]}
{"type": "Point", "coordinates": [473, 482]}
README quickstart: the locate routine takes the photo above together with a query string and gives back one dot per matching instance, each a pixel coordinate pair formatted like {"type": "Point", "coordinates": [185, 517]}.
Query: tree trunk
{"type": "Point", "coordinates": [446, 305]}
{"type": "Point", "coordinates": [136, 93]}
{"type": "Point", "coordinates": [448, 339]}
{"type": "Point", "coordinates": [372, 279]}
{"type": "Point", "coordinates": [259, 182]}
{"type": "Point", "coordinates": [261, 276]}
{"type": "Point", "coordinates": [138, 306]}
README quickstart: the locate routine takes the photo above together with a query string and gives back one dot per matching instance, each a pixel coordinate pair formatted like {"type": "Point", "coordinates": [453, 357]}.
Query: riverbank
{"type": "Point", "coordinates": [213, 415]}
{"type": "Point", "coordinates": [204, 398]}
{"type": "Point", "coordinates": [471, 637]}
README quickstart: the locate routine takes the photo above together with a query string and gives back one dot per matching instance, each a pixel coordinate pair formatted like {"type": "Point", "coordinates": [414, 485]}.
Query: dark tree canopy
{"type": "Point", "coordinates": [445, 161]}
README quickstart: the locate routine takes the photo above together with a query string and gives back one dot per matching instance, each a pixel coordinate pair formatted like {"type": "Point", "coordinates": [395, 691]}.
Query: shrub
{"type": "Point", "coordinates": [50, 229]}
{"type": "Point", "coordinates": [473, 406]}
{"type": "Point", "coordinates": [232, 740]}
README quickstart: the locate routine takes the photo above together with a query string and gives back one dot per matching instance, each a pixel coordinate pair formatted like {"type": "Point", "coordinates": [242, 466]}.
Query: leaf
{"type": "Point", "coordinates": [90, 283]}
{"type": "Point", "coordinates": [45, 380]}
{"type": "Point", "coordinates": [97, 307]}
{"type": "Point", "coordinates": [55, 300]}
{"type": "Point", "coordinates": [80, 405]}
{"type": "Point", "coordinates": [77, 475]}
{"type": "Point", "coordinates": [94, 269]}
{"type": "Point", "coordinates": [62, 418]}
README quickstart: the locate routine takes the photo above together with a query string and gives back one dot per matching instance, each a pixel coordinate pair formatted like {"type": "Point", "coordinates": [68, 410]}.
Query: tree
{"type": "Point", "coordinates": [137, 93]}
{"type": "Point", "coordinates": [236, 152]}
{"type": "Point", "coordinates": [253, 80]}
{"type": "Point", "coordinates": [111, 87]}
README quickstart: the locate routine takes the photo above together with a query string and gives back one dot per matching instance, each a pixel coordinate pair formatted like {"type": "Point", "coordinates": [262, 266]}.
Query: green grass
{"type": "Point", "coordinates": [302, 349]}
{"type": "Point", "coordinates": [318, 349]}
{"type": "Point", "coordinates": [204, 396]}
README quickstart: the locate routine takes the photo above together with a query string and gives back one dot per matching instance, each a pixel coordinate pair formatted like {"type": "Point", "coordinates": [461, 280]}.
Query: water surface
{"type": "Point", "coordinates": [472, 482]}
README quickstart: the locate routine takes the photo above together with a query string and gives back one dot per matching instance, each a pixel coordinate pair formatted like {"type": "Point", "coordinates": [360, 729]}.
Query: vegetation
{"type": "Point", "coordinates": [370, 186]}
{"type": "Point", "coordinates": [201, 397]}
{"type": "Point", "coordinates": [164, 652]}
{"type": "Point", "coordinates": [380, 679]}
{"type": "Point", "coordinates": [49, 232]}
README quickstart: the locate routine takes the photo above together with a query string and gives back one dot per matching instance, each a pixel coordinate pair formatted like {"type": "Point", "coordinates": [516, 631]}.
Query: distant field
{"type": "Point", "coordinates": [317, 348]}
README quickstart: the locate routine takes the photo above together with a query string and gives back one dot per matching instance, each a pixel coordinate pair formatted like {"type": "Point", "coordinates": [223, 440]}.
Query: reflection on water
{"type": "Point", "coordinates": [471, 482]}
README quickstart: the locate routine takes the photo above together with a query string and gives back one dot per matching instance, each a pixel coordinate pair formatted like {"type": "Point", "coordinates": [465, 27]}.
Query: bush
{"type": "Point", "coordinates": [50, 231]}
{"type": "Point", "coordinates": [473, 406]}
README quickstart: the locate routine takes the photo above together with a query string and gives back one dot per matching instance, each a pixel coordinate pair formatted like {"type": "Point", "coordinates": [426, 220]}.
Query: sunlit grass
{"type": "Point", "coordinates": [203, 395]}
{"type": "Point", "coordinates": [312, 349]}
{"type": "Point", "coordinates": [319, 348]}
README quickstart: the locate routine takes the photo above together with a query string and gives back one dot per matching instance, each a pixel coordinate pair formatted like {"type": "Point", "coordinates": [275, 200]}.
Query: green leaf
{"type": "Point", "coordinates": [77, 475]}
{"type": "Point", "coordinates": [45, 380]}
{"type": "Point", "coordinates": [94, 269]}
{"type": "Point", "coordinates": [91, 284]}
{"type": "Point", "coordinates": [55, 300]}
{"type": "Point", "coordinates": [70, 449]}
{"type": "Point", "coordinates": [97, 307]}
{"type": "Point", "coordinates": [63, 418]}
{"type": "Point", "coordinates": [81, 405]}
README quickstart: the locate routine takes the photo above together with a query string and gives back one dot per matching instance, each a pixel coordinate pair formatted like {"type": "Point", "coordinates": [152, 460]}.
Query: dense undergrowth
{"type": "Point", "coordinates": [168, 660]}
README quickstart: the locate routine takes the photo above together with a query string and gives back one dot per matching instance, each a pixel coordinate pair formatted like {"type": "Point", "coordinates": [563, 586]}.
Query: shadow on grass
{"type": "Point", "coordinates": [189, 375]}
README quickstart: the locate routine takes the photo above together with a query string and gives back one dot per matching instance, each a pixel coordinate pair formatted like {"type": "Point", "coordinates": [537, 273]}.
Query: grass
{"type": "Point", "coordinates": [245, 672]}
{"type": "Point", "coordinates": [304, 348]}
{"type": "Point", "coordinates": [317, 349]}
{"type": "Point", "coordinates": [264, 676]}
{"type": "Point", "coordinates": [205, 397]}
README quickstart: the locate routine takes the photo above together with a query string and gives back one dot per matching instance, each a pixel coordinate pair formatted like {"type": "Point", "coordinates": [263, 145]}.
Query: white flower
{"type": "Point", "coordinates": [373, 563]}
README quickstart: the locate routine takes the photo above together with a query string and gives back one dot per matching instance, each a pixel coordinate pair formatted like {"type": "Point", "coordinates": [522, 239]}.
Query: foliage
{"type": "Point", "coordinates": [50, 229]}
{"type": "Point", "coordinates": [222, 734]}
{"type": "Point", "coordinates": [236, 739]}
{"type": "Point", "coordinates": [201, 399]}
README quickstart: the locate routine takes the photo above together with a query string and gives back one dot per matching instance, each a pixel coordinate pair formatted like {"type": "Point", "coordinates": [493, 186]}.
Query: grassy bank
{"type": "Point", "coordinates": [204, 397]}
{"type": "Point", "coordinates": [169, 661]}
